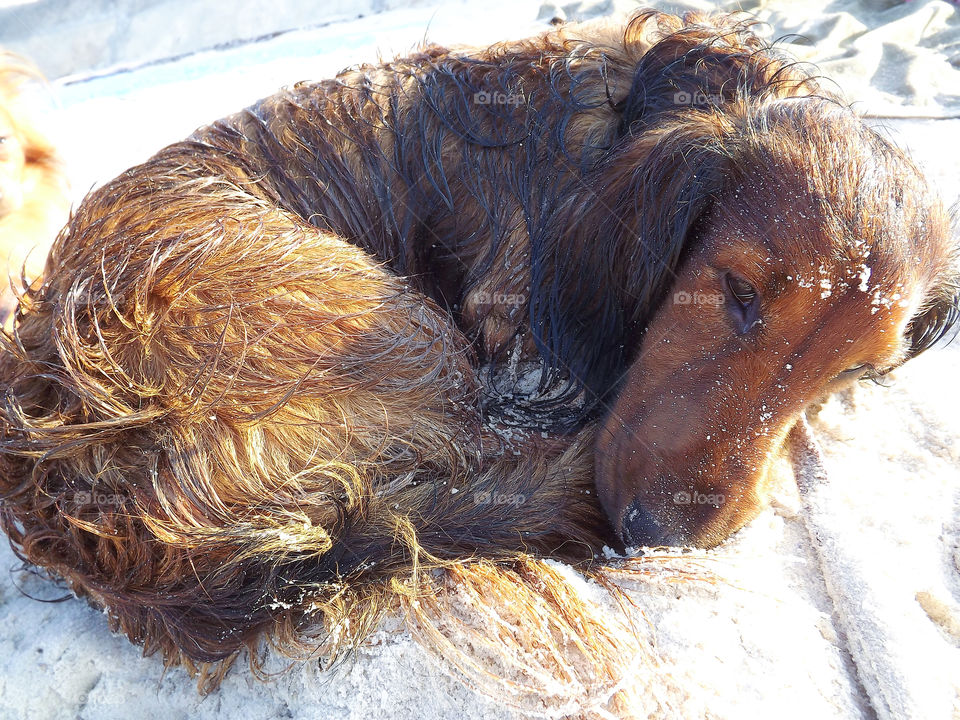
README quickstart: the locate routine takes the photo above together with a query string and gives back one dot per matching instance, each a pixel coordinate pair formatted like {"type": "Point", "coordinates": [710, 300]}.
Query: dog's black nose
{"type": "Point", "coordinates": [639, 528]}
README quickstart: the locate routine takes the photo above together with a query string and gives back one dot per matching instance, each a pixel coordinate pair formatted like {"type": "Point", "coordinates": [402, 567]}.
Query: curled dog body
{"type": "Point", "coordinates": [265, 344]}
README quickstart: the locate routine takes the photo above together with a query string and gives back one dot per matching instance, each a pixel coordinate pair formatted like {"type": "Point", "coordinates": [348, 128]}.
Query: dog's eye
{"type": "Point", "coordinates": [742, 306]}
{"type": "Point", "coordinates": [741, 290]}
{"type": "Point", "coordinates": [855, 371]}
{"type": "Point", "coordinates": [866, 371]}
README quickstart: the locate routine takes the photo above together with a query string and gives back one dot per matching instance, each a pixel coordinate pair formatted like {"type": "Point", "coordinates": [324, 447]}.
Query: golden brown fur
{"type": "Point", "coordinates": [260, 386]}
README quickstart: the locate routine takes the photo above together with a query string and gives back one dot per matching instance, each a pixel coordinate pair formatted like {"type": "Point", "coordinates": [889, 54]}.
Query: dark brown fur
{"type": "Point", "coordinates": [248, 395]}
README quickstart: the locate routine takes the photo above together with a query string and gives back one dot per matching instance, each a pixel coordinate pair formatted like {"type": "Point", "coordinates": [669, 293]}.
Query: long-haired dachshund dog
{"type": "Point", "coordinates": [33, 193]}
{"type": "Point", "coordinates": [281, 369]}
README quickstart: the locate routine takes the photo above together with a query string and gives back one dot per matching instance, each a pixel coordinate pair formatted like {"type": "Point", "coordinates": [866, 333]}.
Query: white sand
{"type": "Point", "coordinates": [861, 623]}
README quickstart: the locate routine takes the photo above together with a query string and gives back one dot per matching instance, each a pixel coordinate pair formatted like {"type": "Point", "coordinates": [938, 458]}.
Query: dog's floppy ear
{"type": "Point", "coordinates": [702, 62]}
{"type": "Point", "coordinates": [938, 321]}
{"type": "Point", "coordinates": [638, 211]}
{"type": "Point", "coordinates": [939, 317]}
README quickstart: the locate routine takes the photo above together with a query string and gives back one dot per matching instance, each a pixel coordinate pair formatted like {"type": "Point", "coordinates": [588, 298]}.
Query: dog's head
{"type": "Point", "coordinates": [807, 253]}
